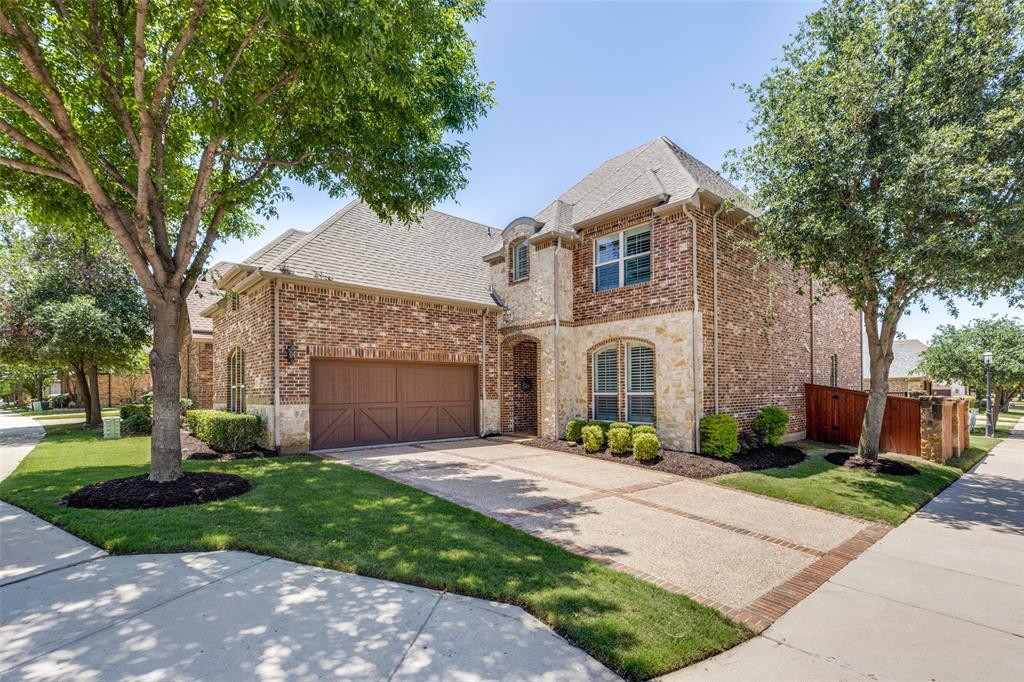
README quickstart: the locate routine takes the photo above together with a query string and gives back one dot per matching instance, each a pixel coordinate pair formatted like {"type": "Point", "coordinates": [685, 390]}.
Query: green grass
{"type": "Point", "coordinates": [326, 514]}
{"type": "Point", "coordinates": [64, 413]}
{"type": "Point", "coordinates": [875, 497]}
{"type": "Point", "coordinates": [1005, 421]}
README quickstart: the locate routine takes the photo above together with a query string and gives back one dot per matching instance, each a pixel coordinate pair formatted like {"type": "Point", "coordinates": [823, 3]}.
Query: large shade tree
{"type": "Point", "coordinates": [957, 354]}
{"type": "Point", "coordinates": [888, 155]}
{"type": "Point", "coordinates": [178, 122]}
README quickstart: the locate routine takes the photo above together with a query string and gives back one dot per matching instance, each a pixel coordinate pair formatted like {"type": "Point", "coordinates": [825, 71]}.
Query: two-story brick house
{"type": "Point", "coordinates": [632, 296]}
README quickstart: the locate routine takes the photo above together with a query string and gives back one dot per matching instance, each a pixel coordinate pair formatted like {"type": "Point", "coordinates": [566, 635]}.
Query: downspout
{"type": "Point", "coordinates": [483, 369]}
{"type": "Point", "coordinates": [694, 330]}
{"type": "Point", "coordinates": [277, 368]}
{"type": "Point", "coordinates": [558, 343]}
{"type": "Point", "coordinates": [714, 290]}
{"type": "Point", "coordinates": [810, 286]}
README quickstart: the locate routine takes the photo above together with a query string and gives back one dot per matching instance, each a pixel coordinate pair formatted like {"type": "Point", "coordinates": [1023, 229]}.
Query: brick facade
{"type": "Point", "coordinates": [519, 405]}
{"type": "Point", "coordinates": [330, 322]}
{"type": "Point", "coordinates": [197, 372]}
{"type": "Point", "coordinates": [120, 389]}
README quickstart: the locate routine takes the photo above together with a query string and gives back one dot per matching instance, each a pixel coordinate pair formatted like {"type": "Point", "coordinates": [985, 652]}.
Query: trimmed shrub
{"type": "Point", "coordinates": [129, 411]}
{"type": "Point", "coordinates": [603, 425]}
{"type": "Point", "coordinates": [574, 430]}
{"type": "Point", "coordinates": [642, 428]}
{"type": "Point", "coordinates": [225, 431]}
{"type": "Point", "coordinates": [646, 447]}
{"type": "Point", "coordinates": [59, 400]}
{"type": "Point", "coordinates": [147, 398]}
{"type": "Point", "coordinates": [185, 404]}
{"type": "Point", "coordinates": [137, 424]}
{"type": "Point", "coordinates": [618, 440]}
{"type": "Point", "coordinates": [593, 437]}
{"type": "Point", "coordinates": [719, 436]}
{"type": "Point", "coordinates": [770, 425]}
{"type": "Point", "coordinates": [621, 425]}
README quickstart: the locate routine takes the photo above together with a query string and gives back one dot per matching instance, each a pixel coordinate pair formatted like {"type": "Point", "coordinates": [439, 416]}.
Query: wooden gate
{"type": "Point", "coordinates": [835, 415]}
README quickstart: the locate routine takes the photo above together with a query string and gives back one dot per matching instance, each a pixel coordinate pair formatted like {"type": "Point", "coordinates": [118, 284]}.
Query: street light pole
{"type": "Point", "coordinates": [989, 425]}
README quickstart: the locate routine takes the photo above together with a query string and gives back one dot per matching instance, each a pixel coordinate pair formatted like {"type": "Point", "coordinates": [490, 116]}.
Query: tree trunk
{"type": "Point", "coordinates": [879, 342]}
{"type": "Point", "coordinates": [165, 367]}
{"type": "Point", "coordinates": [93, 415]}
{"type": "Point", "coordinates": [84, 395]}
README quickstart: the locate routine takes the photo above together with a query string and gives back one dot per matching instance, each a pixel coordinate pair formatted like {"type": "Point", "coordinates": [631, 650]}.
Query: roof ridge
{"type": "Point", "coordinates": [266, 247]}
{"type": "Point", "coordinates": [310, 236]}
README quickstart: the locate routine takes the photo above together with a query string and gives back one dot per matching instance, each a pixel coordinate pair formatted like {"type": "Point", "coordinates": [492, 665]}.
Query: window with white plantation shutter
{"type": "Point", "coordinates": [606, 383]}
{"type": "Point", "coordinates": [236, 381]}
{"type": "Point", "coordinates": [520, 261]}
{"type": "Point", "coordinates": [622, 259]}
{"type": "Point", "coordinates": [639, 384]}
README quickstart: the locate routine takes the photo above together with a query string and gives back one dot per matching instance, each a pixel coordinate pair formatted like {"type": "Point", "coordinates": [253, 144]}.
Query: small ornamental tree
{"type": "Point", "coordinates": [888, 159]}
{"type": "Point", "coordinates": [173, 123]}
{"type": "Point", "coordinates": [957, 354]}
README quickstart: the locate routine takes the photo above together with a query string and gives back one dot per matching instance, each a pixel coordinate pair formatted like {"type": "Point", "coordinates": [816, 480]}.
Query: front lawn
{"type": "Point", "coordinates": [326, 514]}
{"type": "Point", "coordinates": [875, 497]}
{"type": "Point", "coordinates": [65, 413]}
{"type": "Point", "coordinates": [1005, 421]}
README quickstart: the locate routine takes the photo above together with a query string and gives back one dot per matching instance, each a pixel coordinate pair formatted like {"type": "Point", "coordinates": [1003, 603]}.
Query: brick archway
{"type": "Point", "coordinates": [520, 385]}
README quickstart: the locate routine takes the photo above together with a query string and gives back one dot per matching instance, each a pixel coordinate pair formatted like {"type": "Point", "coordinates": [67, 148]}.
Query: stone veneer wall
{"type": "Point", "coordinates": [328, 322]}
{"type": "Point", "coordinates": [531, 300]}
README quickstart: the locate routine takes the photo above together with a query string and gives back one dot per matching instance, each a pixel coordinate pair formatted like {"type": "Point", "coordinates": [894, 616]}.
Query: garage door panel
{"type": "Point", "coordinates": [355, 402]}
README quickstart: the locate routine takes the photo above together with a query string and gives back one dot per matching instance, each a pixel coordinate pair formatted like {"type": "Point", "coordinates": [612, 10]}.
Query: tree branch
{"type": "Point", "coordinates": [260, 20]}
{"type": "Point", "coordinates": [33, 113]}
{"type": "Point", "coordinates": [198, 8]}
{"type": "Point", "coordinates": [30, 145]}
{"type": "Point", "coordinates": [38, 170]}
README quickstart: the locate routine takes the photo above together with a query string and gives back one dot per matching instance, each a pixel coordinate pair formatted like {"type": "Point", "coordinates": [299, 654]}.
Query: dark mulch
{"type": "Point", "coordinates": [687, 464]}
{"type": "Point", "coordinates": [877, 466]}
{"type": "Point", "coordinates": [193, 448]}
{"type": "Point", "coordinates": [138, 492]}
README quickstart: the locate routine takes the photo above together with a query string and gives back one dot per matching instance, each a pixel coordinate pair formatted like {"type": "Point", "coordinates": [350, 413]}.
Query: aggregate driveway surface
{"type": "Point", "coordinates": [724, 547]}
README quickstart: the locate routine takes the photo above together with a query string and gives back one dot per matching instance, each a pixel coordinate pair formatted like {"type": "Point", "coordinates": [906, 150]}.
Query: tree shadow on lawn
{"type": "Point", "coordinates": [325, 514]}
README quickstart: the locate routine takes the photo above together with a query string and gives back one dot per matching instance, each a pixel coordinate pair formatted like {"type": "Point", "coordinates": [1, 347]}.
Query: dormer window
{"type": "Point", "coordinates": [520, 261]}
{"type": "Point", "coordinates": [622, 259]}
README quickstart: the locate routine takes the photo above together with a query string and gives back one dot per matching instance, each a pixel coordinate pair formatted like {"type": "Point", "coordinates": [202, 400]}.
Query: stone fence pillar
{"type": "Point", "coordinates": [931, 429]}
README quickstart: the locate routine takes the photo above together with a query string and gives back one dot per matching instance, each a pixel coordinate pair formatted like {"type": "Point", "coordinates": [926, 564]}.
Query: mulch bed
{"type": "Point", "coordinates": [138, 492]}
{"type": "Point", "coordinates": [193, 448]}
{"type": "Point", "coordinates": [687, 464]}
{"type": "Point", "coordinates": [877, 466]}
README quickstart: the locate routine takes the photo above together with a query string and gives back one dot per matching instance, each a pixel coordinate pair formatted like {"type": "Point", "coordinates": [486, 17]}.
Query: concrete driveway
{"type": "Point", "coordinates": [749, 556]}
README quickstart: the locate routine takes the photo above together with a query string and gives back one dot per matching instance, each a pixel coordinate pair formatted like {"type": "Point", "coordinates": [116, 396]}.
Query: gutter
{"type": "Point", "coordinates": [558, 343]}
{"type": "Point", "coordinates": [694, 329]}
{"type": "Point", "coordinates": [483, 370]}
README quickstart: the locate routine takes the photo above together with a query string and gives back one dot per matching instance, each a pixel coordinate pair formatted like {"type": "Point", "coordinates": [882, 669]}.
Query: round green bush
{"type": "Point", "coordinates": [593, 438]}
{"type": "Point", "coordinates": [574, 430]}
{"type": "Point", "coordinates": [137, 424]}
{"type": "Point", "coordinates": [603, 425]}
{"type": "Point", "coordinates": [129, 411]}
{"type": "Point", "coordinates": [620, 425]}
{"type": "Point", "coordinates": [770, 425]}
{"type": "Point", "coordinates": [618, 440]}
{"type": "Point", "coordinates": [719, 436]}
{"type": "Point", "coordinates": [642, 428]}
{"type": "Point", "coordinates": [646, 447]}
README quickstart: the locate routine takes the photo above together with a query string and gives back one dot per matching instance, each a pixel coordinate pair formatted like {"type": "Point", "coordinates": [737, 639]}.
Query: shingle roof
{"type": "Point", "coordinates": [905, 356]}
{"type": "Point", "coordinates": [202, 295]}
{"type": "Point", "coordinates": [438, 257]}
{"type": "Point", "coordinates": [274, 249]}
{"type": "Point", "coordinates": [658, 170]}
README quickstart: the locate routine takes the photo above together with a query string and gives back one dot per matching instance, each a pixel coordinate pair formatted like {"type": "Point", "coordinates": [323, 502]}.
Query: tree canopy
{"type": "Point", "coordinates": [956, 353]}
{"type": "Point", "coordinates": [174, 123]}
{"type": "Point", "coordinates": [888, 158]}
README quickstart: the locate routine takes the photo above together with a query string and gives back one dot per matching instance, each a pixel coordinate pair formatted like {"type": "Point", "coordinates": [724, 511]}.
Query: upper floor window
{"type": "Point", "coordinates": [833, 370]}
{"type": "Point", "coordinates": [520, 261]}
{"type": "Point", "coordinates": [622, 259]}
{"type": "Point", "coordinates": [236, 381]}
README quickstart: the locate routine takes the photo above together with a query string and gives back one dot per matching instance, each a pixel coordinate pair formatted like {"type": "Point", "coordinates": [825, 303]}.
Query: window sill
{"type": "Point", "coordinates": [518, 281]}
{"type": "Point", "coordinates": [638, 285]}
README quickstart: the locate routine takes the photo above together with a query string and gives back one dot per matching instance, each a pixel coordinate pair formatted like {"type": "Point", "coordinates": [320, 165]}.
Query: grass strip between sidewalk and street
{"type": "Point", "coordinates": [326, 514]}
{"type": "Point", "coordinates": [855, 492]}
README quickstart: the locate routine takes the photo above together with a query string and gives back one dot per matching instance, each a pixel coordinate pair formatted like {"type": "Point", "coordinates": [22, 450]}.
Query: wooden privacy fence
{"type": "Point", "coordinates": [932, 427]}
{"type": "Point", "coordinates": [835, 415]}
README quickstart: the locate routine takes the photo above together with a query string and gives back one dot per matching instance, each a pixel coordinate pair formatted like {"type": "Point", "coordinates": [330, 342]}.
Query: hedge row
{"type": "Point", "coordinates": [225, 431]}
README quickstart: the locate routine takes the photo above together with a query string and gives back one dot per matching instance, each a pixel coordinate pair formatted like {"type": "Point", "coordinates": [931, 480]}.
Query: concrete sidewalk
{"type": "Point", "coordinates": [68, 611]}
{"type": "Point", "coordinates": [18, 435]}
{"type": "Point", "coordinates": [939, 598]}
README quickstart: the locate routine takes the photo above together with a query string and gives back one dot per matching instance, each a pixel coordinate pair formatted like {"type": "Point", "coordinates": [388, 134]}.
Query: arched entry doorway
{"type": "Point", "coordinates": [520, 385]}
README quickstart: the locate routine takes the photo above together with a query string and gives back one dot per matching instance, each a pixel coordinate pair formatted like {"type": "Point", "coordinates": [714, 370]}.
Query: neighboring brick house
{"type": "Point", "coordinates": [632, 296]}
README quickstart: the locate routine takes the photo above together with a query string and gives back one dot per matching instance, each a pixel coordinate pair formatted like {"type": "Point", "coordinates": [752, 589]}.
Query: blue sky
{"type": "Point", "coordinates": [578, 82]}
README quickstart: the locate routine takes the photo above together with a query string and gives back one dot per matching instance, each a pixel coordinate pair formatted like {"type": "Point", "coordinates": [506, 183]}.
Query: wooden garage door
{"type": "Point", "coordinates": [359, 402]}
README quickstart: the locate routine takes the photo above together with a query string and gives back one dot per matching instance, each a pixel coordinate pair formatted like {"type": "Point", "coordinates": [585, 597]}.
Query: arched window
{"type": "Point", "coordinates": [520, 266]}
{"type": "Point", "coordinates": [606, 383]}
{"type": "Point", "coordinates": [236, 381]}
{"type": "Point", "coordinates": [623, 384]}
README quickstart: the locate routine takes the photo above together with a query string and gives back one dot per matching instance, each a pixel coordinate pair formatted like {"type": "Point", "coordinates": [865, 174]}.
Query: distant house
{"type": "Point", "coordinates": [904, 376]}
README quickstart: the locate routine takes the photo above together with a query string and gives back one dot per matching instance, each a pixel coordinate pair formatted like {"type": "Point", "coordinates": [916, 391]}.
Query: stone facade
{"type": "Point", "coordinates": [770, 339]}
{"type": "Point", "coordinates": [326, 321]}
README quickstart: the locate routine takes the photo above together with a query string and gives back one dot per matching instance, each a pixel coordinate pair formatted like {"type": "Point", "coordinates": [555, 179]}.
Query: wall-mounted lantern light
{"type": "Point", "coordinates": [289, 353]}
{"type": "Point", "coordinates": [527, 383]}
